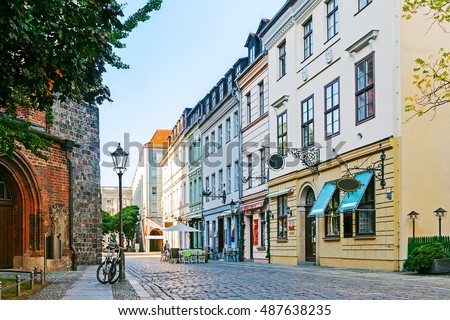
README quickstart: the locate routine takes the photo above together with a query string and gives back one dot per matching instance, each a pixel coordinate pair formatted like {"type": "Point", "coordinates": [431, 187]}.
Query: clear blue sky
{"type": "Point", "coordinates": [175, 58]}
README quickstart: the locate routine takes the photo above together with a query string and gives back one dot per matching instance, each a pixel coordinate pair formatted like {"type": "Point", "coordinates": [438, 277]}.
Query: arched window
{"type": "Point", "coordinates": [5, 193]}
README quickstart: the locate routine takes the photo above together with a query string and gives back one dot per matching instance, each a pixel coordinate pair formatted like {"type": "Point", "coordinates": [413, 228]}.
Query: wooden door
{"type": "Point", "coordinates": [6, 234]}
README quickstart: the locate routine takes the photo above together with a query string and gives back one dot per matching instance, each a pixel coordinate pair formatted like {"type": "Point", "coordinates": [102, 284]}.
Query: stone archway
{"type": "Point", "coordinates": [22, 243]}
{"type": "Point", "coordinates": [156, 240]}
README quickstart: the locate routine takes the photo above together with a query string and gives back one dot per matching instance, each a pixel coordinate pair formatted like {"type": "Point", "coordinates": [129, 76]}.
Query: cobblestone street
{"type": "Point", "coordinates": [242, 281]}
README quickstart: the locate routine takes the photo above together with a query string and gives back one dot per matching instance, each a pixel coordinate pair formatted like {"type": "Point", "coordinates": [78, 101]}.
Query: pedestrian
{"type": "Point", "coordinates": [167, 247]}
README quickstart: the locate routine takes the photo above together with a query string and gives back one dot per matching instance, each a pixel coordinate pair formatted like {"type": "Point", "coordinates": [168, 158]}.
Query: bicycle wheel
{"type": "Point", "coordinates": [114, 272]}
{"type": "Point", "coordinates": [104, 272]}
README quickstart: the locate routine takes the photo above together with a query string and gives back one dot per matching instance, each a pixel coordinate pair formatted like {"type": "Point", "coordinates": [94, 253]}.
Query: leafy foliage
{"type": "Point", "coordinates": [107, 223]}
{"type": "Point", "coordinates": [57, 49]}
{"type": "Point", "coordinates": [130, 216]}
{"type": "Point", "coordinates": [421, 259]}
{"type": "Point", "coordinates": [431, 76]}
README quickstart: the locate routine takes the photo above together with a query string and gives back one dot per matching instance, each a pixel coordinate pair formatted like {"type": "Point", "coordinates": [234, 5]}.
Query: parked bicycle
{"type": "Point", "coordinates": [108, 270]}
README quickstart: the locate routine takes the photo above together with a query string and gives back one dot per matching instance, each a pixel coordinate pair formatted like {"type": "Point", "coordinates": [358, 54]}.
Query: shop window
{"type": "Point", "coordinates": [332, 218]}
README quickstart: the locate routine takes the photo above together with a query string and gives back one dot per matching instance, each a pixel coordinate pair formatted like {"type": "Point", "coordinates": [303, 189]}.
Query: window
{"type": "Point", "coordinates": [221, 90]}
{"type": "Point", "coordinates": [229, 82]}
{"type": "Point", "coordinates": [365, 90]}
{"type": "Point", "coordinates": [220, 181]}
{"type": "Point", "coordinates": [154, 190]}
{"type": "Point", "coordinates": [249, 169]}
{"type": "Point", "coordinates": [307, 39]}
{"type": "Point", "coordinates": [282, 217]}
{"type": "Point", "coordinates": [252, 53]}
{"type": "Point", "coordinates": [236, 124]}
{"type": "Point", "coordinates": [207, 104]}
{"type": "Point", "coordinates": [261, 98]}
{"type": "Point", "coordinates": [365, 214]}
{"type": "Point", "coordinates": [262, 155]}
{"type": "Point", "coordinates": [227, 130]}
{"type": "Point", "coordinates": [207, 187]}
{"type": "Point", "coordinates": [249, 108]}
{"type": "Point", "coordinates": [229, 178]}
{"type": "Point", "coordinates": [213, 99]}
{"type": "Point", "coordinates": [332, 222]}
{"type": "Point", "coordinates": [207, 146]}
{"type": "Point", "coordinates": [213, 142]}
{"type": "Point", "coordinates": [282, 133]}
{"type": "Point", "coordinates": [282, 59]}
{"type": "Point", "coordinates": [332, 18]}
{"type": "Point", "coordinates": [237, 176]}
{"type": "Point", "coordinates": [363, 3]}
{"type": "Point", "coordinates": [332, 109]}
{"type": "Point", "coordinates": [219, 136]}
{"type": "Point", "coordinates": [213, 183]}
{"type": "Point", "coordinates": [308, 122]}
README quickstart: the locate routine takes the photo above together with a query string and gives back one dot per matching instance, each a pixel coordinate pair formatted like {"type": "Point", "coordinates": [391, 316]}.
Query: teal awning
{"type": "Point", "coordinates": [323, 199]}
{"type": "Point", "coordinates": [351, 200]}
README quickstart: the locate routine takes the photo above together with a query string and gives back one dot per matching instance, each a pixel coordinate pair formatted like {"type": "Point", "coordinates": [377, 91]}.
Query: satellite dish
{"type": "Point", "coordinates": [348, 184]}
{"type": "Point", "coordinates": [276, 161]}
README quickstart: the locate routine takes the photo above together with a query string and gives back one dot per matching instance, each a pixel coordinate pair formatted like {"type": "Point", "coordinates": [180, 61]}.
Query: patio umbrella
{"type": "Point", "coordinates": [181, 228]}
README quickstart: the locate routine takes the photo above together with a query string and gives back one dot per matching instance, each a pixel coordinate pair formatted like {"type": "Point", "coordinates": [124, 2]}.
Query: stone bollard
{"type": "Point", "coordinates": [31, 280]}
{"type": "Point", "coordinates": [42, 276]}
{"type": "Point", "coordinates": [18, 293]}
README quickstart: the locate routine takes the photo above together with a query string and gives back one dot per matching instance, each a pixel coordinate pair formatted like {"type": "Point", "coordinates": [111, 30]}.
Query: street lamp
{"type": "Point", "coordinates": [440, 213]}
{"type": "Point", "coordinates": [120, 158]}
{"type": "Point", "coordinates": [413, 216]}
{"type": "Point", "coordinates": [232, 207]}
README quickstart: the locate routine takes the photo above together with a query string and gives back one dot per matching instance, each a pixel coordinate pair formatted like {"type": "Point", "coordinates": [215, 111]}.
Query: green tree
{"type": "Point", "coordinates": [57, 50]}
{"type": "Point", "coordinates": [130, 216]}
{"type": "Point", "coordinates": [432, 75]}
{"type": "Point", "coordinates": [107, 223]}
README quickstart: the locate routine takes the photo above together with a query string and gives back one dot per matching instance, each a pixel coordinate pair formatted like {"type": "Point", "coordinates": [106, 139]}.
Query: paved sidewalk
{"type": "Point", "coordinates": [87, 287]}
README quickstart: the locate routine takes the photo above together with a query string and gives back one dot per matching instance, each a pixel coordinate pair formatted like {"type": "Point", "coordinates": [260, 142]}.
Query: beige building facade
{"type": "Point", "coordinates": [336, 117]}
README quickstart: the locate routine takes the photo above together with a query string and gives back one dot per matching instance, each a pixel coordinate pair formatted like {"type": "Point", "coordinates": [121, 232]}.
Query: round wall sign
{"type": "Point", "coordinates": [348, 184]}
{"type": "Point", "coordinates": [276, 161]}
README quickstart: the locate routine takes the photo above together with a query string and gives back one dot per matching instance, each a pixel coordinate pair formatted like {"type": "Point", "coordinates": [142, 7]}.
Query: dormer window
{"type": "Point", "coordinates": [252, 53]}
{"type": "Point", "coordinates": [221, 90]}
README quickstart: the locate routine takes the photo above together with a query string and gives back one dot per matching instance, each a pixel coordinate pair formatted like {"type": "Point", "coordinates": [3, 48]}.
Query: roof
{"type": "Point", "coordinates": [159, 139]}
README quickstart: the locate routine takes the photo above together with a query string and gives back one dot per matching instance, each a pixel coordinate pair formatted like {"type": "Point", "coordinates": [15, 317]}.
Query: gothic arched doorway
{"type": "Point", "coordinates": [20, 222]}
{"type": "Point", "coordinates": [6, 225]}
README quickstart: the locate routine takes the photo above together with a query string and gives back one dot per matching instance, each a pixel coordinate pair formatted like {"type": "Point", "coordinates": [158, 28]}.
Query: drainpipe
{"type": "Point", "coordinates": [241, 222]}
{"type": "Point", "coordinates": [68, 147]}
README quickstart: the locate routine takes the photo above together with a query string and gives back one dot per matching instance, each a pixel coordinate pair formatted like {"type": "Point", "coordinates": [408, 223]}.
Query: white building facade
{"type": "Point", "coordinates": [220, 132]}
{"type": "Point", "coordinates": [147, 189]}
{"type": "Point", "coordinates": [253, 86]}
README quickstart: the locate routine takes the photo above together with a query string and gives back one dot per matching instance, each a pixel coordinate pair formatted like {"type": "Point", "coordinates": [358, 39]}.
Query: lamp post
{"type": "Point", "coordinates": [241, 229]}
{"type": "Point", "coordinates": [120, 158]}
{"type": "Point", "coordinates": [440, 213]}
{"type": "Point", "coordinates": [413, 216]}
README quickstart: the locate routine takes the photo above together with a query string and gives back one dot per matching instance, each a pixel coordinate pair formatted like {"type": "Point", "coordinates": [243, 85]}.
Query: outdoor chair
{"type": "Point", "coordinates": [185, 257]}
{"type": "Point", "coordinates": [201, 256]}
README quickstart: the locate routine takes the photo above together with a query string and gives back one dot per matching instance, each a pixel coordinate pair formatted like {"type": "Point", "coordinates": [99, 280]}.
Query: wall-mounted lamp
{"type": "Point", "coordinates": [440, 213]}
{"type": "Point", "coordinates": [289, 211]}
{"type": "Point", "coordinates": [213, 196]}
{"type": "Point", "coordinates": [413, 216]}
{"type": "Point", "coordinates": [270, 214]}
{"type": "Point", "coordinates": [233, 207]}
